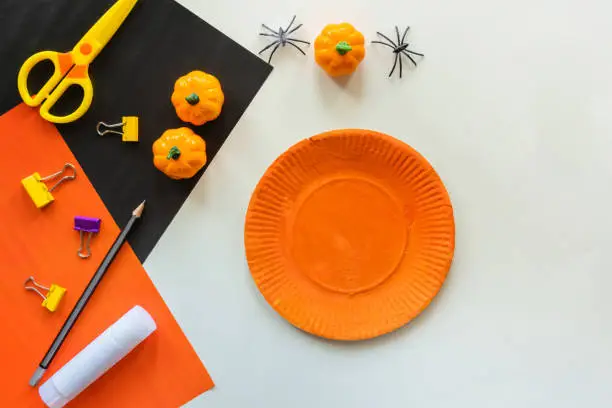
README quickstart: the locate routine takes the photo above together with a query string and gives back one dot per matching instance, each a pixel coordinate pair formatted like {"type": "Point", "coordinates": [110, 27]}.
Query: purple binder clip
{"type": "Point", "coordinates": [89, 226]}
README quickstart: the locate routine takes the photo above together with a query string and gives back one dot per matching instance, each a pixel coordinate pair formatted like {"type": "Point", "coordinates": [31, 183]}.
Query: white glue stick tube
{"type": "Point", "coordinates": [95, 359]}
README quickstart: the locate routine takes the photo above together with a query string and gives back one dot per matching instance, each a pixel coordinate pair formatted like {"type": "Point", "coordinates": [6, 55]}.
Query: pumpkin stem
{"type": "Point", "coordinates": [192, 98]}
{"type": "Point", "coordinates": [343, 47]}
{"type": "Point", "coordinates": [174, 153]}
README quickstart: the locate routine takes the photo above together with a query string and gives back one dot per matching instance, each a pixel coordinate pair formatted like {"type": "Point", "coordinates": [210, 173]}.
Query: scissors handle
{"type": "Point", "coordinates": [61, 63]}
{"type": "Point", "coordinates": [65, 74]}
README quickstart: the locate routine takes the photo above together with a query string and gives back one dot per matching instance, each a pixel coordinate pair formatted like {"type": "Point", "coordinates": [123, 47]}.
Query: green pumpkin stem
{"type": "Point", "coordinates": [192, 98]}
{"type": "Point", "coordinates": [174, 153]}
{"type": "Point", "coordinates": [343, 47]}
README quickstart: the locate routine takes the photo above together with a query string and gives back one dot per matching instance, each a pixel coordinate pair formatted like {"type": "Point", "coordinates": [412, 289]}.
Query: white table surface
{"type": "Point", "coordinates": [512, 105]}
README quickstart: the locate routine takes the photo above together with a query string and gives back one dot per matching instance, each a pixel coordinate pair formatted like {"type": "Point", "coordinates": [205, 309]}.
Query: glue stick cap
{"type": "Point", "coordinates": [51, 396]}
{"type": "Point", "coordinates": [99, 356]}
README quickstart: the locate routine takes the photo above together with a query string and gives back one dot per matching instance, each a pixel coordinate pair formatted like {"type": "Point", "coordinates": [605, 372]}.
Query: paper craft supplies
{"type": "Point", "coordinates": [169, 373]}
{"type": "Point", "coordinates": [85, 296]}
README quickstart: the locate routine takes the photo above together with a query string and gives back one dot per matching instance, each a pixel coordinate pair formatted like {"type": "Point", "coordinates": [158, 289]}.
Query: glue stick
{"type": "Point", "coordinates": [95, 359]}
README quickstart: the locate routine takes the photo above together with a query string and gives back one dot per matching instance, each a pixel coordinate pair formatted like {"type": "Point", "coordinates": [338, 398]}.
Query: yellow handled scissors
{"type": "Point", "coordinates": [71, 68]}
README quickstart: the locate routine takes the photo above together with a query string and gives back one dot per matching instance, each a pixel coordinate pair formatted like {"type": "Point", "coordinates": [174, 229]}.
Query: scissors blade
{"type": "Point", "coordinates": [103, 30]}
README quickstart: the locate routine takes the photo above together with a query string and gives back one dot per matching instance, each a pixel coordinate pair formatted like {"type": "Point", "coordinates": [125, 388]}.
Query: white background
{"type": "Point", "coordinates": [512, 105]}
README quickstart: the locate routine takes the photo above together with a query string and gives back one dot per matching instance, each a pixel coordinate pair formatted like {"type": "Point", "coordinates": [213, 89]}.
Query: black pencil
{"type": "Point", "coordinates": [82, 302]}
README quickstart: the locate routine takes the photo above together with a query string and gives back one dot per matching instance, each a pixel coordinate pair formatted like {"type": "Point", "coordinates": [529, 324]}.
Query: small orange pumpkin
{"type": "Point", "coordinates": [339, 49]}
{"type": "Point", "coordinates": [179, 153]}
{"type": "Point", "coordinates": [197, 97]}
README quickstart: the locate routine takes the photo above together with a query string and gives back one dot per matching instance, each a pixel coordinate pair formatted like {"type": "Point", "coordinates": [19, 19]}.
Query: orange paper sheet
{"type": "Point", "coordinates": [163, 371]}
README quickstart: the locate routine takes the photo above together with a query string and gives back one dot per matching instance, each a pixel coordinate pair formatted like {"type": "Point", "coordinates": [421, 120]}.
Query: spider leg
{"type": "Point", "coordinates": [400, 60]}
{"type": "Point", "coordinates": [294, 29]}
{"type": "Point", "coordinates": [383, 43]}
{"type": "Point", "coordinates": [269, 45]}
{"type": "Point", "coordinates": [388, 39]}
{"type": "Point", "coordinates": [398, 36]}
{"type": "Point", "coordinates": [404, 36]}
{"type": "Point", "coordinates": [269, 35]}
{"type": "Point", "coordinates": [300, 41]}
{"type": "Point", "coordinates": [415, 53]}
{"type": "Point", "coordinates": [410, 58]}
{"type": "Point", "coordinates": [290, 24]}
{"type": "Point", "coordinates": [273, 51]}
{"type": "Point", "coordinates": [295, 46]}
{"type": "Point", "coordinates": [394, 64]}
{"type": "Point", "coordinates": [269, 29]}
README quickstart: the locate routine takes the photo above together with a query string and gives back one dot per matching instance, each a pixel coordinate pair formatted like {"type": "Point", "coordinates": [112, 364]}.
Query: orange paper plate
{"type": "Point", "coordinates": [350, 234]}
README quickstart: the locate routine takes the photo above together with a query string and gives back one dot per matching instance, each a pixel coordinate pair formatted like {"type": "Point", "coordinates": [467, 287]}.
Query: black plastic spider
{"type": "Point", "coordinates": [399, 49]}
{"type": "Point", "coordinates": [282, 38]}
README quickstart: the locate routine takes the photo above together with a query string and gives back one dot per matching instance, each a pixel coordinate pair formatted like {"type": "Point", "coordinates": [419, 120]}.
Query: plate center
{"type": "Point", "coordinates": [349, 234]}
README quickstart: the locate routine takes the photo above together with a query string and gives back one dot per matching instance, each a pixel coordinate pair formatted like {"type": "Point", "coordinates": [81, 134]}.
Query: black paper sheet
{"type": "Point", "coordinates": [134, 75]}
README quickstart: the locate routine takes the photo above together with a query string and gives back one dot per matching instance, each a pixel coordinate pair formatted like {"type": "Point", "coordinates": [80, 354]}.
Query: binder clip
{"type": "Point", "coordinates": [89, 226]}
{"type": "Point", "coordinates": [37, 189]}
{"type": "Point", "coordinates": [128, 125]}
{"type": "Point", "coordinates": [55, 293]}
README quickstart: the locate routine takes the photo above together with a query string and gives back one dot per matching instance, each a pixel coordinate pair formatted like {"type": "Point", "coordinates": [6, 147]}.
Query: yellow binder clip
{"type": "Point", "coordinates": [37, 189]}
{"type": "Point", "coordinates": [128, 125]}
{"type": "Point", "coordinates": [55, 293]}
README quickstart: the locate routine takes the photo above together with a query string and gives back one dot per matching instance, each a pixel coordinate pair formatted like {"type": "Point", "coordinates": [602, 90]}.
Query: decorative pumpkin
{"type": "Point", "coordinates": [197, 97]}
{"type": "Point", "coordinates": [339, 49]}
{"type": "Point", "coordinates": [179, 153]}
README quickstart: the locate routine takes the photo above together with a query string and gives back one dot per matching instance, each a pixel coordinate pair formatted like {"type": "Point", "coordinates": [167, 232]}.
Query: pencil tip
{"type": "Point", "coordinates": [138, 210]}
{"type": "Point", "coordinates": [38, 374]}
